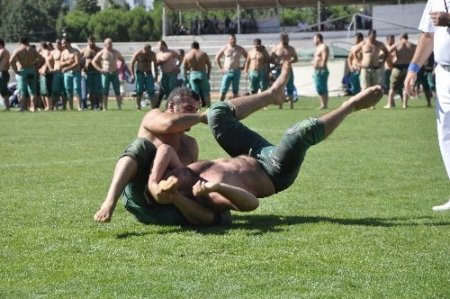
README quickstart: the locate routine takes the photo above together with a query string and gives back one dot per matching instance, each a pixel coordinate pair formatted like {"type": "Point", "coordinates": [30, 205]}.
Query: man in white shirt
{"type": "Point", "coordinates": [435, 27]}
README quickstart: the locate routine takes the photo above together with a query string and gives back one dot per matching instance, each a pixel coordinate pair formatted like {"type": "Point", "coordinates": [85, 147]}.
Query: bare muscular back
{"type": "Point", "coordinates": [242, 171]}
{"type": "Point", "coordinates": [404, 52]}
{"type": "Point", "coordinates": [197, 60]}
{"type": "Point", "coordinates": [4, 60]}
{"type": "Point", "coordinates": [26, 56]}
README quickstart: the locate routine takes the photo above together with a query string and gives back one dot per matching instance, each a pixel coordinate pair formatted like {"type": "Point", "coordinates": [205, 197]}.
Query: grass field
{"type": "Point", "coordinates": [356, 224]}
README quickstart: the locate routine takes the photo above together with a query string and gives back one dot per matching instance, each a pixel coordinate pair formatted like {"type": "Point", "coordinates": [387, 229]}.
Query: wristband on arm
{"type": "Point", "coordinates": [413, 67]}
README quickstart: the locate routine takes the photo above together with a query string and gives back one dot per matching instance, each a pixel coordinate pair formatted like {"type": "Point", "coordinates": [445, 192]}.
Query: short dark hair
{"type": "Point", "coordinates": [177, 94]}
{"type": "Point", "coordinates": [371, 31]}
{"type": "Point", "coordinates": [257, 41]}
{"type": "Point", "coordinates": [91, 38]}
{"type": "Point", "coordinates": [404, 35]}
{"type": "Point", "coordinates": [195, 45]}
{"type": "Point", "coordinates": [163, 43]}
{"type": "Point", "coordinates": [23, 40]}
{"type": "Point", "coordinates": [2, 42]}
{"type": "Point", "coordinates": [319, 36]}
{"type": "Point", "coordinates": [359, 35]}
{"type": "Point", "coordinates": [66, 39]}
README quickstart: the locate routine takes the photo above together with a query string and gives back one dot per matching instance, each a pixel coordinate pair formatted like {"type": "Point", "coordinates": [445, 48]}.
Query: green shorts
{"type": "Point", "coordinates": [136, 199]}
{"type": "Point", "coordinates": [108, 79]}
{"type": "Point", "coordinates": [58, 84]}
{"type": "Point", "coordinates": [258, 81]}
{"type": "Point", "coordinates": [321, 81]}
{"type": "Point", "coordinates": [94, 83]}
{"type": "Point", "coordinates": [4, 78]}
{"type": "Point", "coordinates": [45, 84]}
{"type": "Point", "coordinates": [26, 81]}
{"type": "Point", "coordinates": [145, 82]}
{"type": "Point", "coordinates": [199, 83]}
{"type": "Point", "coordinates": [281, 162]}
{"type": "Point", "coordinates": [233, 78]}
{"type": "Point", "coordinates": [168, 82]}
{"type": "Point", "coordinates": [72, 83]}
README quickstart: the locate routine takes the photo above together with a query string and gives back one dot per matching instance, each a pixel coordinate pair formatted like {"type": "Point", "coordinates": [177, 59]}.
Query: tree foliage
{"type": "Point", "coordinates": [89, 7]}
{"type": "Point", "coordinates": [75, 25]}
{"type": "Point", "coordinates": [25, 18]}
{"type": "Point", "coordinates": [140, 25]}
{"type": "Point", "coordinates": [112, 23]}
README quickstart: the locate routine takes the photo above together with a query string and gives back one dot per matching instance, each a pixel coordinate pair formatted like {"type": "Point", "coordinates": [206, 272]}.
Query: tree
{"type": "Point", "coordinates": [140, 25]}
{"type": "Point", "coordinates": [110, 23]}
{"type": "Point", "coordinates": [89, 7]}
{"type": "Point", "coordinates": [74, 25]}
{"type": "Point", "coordinates": [21, 18]}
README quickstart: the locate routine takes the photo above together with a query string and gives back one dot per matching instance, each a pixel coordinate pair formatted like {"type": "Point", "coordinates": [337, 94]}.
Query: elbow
{"type": "Point", "coordinates": [250, 206]}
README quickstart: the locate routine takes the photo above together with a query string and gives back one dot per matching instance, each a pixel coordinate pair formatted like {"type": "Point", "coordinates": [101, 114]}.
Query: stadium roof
{"type": "Point", "coordinates": [205, 5]}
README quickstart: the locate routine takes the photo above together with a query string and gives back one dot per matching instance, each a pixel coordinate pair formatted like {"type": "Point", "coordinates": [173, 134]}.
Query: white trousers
{"type": "Point", "coordinates": [443, 113]}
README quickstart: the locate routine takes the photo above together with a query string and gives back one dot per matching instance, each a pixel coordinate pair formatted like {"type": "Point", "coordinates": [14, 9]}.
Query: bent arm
{"type": "Point", "coordinates": [168, 123]}
{"type": "Point", "coordinates": [231, 197]}
{"type": "Point", "coordinates": [165, 158]}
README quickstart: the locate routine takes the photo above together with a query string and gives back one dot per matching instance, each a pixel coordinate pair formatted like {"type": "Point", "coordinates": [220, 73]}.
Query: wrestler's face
{"type": "Point", "coordinates": [316, 40]}
{"type": "Point", "coordinates": [187, 105]}
{"type": "Point", "coordinates": [91, 44]}
{"type": "Point", "coordinates": [232, 41]}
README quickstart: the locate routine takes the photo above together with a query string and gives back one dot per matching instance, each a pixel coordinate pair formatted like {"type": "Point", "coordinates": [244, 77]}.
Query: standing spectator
{"type": "Point", "coordinates": [93, 76]}
{"type": "Point", "coordinates": [169, 60]}
{"type": "Point", "coordinates": [436, 36]}
{"type": "Point", "coordinates": [257, 66]}
{"type": "Point", "coordinates": [106, 62]}
{"type": "Point", "coordinates": [426, 79]}
{"type": "Point", "coordinates": [124, 74]}
{"type": "Point", "coordinates": [404, 52]}
{"type": "Point", "coordinates": [46, 76]}
{"type": "Point", "coordinates": [321, 72]}
{"type": "Point", "coordinates": [142, 64]}
{"type": "Point", "coordinates": [71, 67]}
{"type": "Point", "coordinates": [29, 60]}
{"type": "Point", "coordinates": [281, 53]}
{"type": "Point", "coordinates": [198, 65]}
{"type": "Point", "coordinates": [354, 67]}
{"type": "Point", "coordinates": [4, 73]}
{"type": "Point", "coordinates": [231, 68]}
{"type": "Point", "coordinates": [58, 91]}
{"type": "Point", "coordinates": [368, 52]}
{"type": "Point", "coordinates": [390, 44]}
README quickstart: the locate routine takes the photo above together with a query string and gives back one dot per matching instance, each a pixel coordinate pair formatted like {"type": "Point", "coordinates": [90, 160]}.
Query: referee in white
{"type": "Point", "coordinates": [435, 27]}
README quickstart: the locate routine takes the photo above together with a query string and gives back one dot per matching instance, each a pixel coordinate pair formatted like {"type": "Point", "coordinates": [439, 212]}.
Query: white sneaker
{"type": "Point", "coordinates": [444, 207]}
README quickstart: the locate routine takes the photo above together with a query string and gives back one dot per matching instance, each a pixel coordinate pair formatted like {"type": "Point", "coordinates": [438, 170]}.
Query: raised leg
{"type": "Point", "coordinates": [363, 100]}
{"type": "Point", "coordinates": [246, 105]}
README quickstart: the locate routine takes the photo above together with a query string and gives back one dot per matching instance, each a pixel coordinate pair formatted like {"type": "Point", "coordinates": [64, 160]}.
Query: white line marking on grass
{"type": "Point", "coordinates": [51, 163]}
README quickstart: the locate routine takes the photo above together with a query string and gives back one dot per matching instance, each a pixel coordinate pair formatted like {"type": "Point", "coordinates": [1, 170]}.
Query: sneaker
{"type": "Point", "coordinates": [444, 207]}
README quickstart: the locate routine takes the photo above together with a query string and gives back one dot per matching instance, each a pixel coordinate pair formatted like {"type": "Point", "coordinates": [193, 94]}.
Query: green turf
{"type": "Point", "coordinates": [356, 224]}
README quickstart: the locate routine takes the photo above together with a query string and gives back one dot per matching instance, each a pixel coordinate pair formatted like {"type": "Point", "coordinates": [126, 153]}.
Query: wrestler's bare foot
{"type": "Point", "coordinates": [105, 213]}
{"type": "Point", "coordinates": [277, 88]}
{"type": "Point", "coordinates": [366, 98]}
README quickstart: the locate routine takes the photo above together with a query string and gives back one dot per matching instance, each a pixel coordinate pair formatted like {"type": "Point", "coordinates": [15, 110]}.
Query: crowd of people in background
{"type": "Point", "coordinates": [61, 76]}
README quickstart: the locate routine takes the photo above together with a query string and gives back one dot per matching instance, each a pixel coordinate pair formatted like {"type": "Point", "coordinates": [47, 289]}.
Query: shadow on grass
{"type": "Point", "coordinates": [261, 224]}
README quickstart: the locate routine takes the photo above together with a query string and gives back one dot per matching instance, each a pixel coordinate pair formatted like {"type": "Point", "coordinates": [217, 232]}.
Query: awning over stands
{"type": "Point", "coordinates": [205, 5]}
